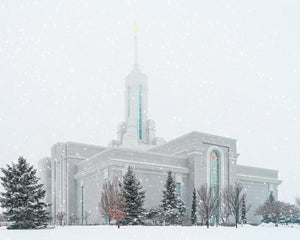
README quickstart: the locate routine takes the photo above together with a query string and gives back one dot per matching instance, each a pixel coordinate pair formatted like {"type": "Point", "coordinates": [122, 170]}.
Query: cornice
{"type": "Point", "coordinates": [249, 178]}
{"type": "Point", "coordinates": [138, 166]}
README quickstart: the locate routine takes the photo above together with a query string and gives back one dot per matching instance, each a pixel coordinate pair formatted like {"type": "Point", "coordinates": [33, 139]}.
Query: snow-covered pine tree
{"type": "Point", "coordinates": [172, 206]}
{"type": "Point", "coordinates": [194, 208]}
{"type": "Point", "coordinates": [181, 210]}
{"type": "Point", "coordinates": [134, 198]}
{"type": "Point", "coordinates": [243, 211]}
{"type": "Point", "coordinates": [23, 196]}
{"type": "Point", "coordinates": [267, 218]}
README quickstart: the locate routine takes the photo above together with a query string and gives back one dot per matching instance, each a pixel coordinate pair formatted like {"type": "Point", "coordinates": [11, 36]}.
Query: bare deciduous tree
{"type": "Point", "coordinates": [273, 209]}
{"type": "Point", "coordinates": [86, 216]}
{"type": "Point", "coordinates": [2, 218]}
{"type": "Point", "coordinates": [289, 211]}
{"type": "Point", "coordinates": [208, 203]}
{"type": "Point", "coordinates": [232, 199]}
{"type": "Point", "coordinates": [60, 216]}
{"type": "Point", "coordinates": [224, 214]}
{"type": "Point", "coordinates": [110, 196]}
{"type": "Point", "coordinates": [117, 212]}
{"type": "Point", "coordinates": [107, 197]}
{"type": "Point", "coordinates": [73, 219]}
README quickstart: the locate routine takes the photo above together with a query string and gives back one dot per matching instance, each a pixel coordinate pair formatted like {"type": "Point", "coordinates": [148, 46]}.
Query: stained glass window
{"type": "Point", "coordinates": [215, 176]}
{"type": "Point", "coordinates": [214, 170]}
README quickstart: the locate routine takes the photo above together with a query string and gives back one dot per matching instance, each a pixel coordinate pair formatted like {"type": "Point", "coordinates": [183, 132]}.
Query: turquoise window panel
{"type": "Point", "coordinates": [215, 177]}
{"type": "Point", "coordinates": [128, 102]}
{"type": "Point", "coordinates": [178, 189]}
{"type": "Point", "coordinates": [106, 184]}
{"type": "Point", "coordinates": [82, 204]}
{"type": "Point", "coordinates": [140, 113]}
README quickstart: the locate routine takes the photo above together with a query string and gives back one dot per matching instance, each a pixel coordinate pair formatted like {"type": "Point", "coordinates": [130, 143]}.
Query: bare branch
{"type": "Point", "coordinates": [208, 203]}
{"type": "Point", "coordinates": [111, 195]}
{"type": "Point", "coordinates": [60, 216]}
{"type": "Point", "coordinates": [232, 199]}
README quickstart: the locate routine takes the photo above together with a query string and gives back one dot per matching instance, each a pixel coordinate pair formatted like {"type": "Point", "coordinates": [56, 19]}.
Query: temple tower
{"type": "Point", "coordinates": [137, 131]}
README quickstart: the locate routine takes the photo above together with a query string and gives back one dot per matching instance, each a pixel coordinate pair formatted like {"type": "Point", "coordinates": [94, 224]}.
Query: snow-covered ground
{"type": "Point", "coordinates": [152, 233]}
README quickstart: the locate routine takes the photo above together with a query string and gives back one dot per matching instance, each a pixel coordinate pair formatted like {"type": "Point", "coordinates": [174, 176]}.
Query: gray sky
{"type": "Point", "coordinates": [230, 68]}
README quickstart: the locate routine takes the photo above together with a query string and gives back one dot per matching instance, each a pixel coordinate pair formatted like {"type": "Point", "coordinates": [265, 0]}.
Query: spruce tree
{"type": "Point", "coordinates": [243, 211]}
{"type": "Point", "coordinates": [271, 197]}
{"type": "Point", "coordinates": [172, 206]}
{"type": "Point", "coordinates": [194, 206]}
{"type": "Point", "coordinates": [134, 198]}
{"type": "Point", "coordinates": [267, 218]}
{"type": "Point", "coordinates": [23, 196]}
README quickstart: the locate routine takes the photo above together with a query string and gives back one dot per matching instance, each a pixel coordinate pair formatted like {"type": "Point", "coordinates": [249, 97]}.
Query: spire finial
{"type": "Point", "coordinates": [135, 42]}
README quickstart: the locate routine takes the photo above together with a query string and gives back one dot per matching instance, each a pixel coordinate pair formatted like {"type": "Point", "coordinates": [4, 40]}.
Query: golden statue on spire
{"type": "Point", "coordinates": [135, 29]}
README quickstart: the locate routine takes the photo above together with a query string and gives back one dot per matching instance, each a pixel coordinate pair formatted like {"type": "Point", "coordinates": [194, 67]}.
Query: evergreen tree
{"type": "Point", "coordinates": [271, 197]}
{"type": "Point", "coordinates": [134, 198]}
{"type": "Point", "coordinates": [194, 208]}
{"type": "Point", "coordinates": [23, 196]}
{"type": "Point", "coordinates": [267, 218]}
{"type": "Point", "coordinates": [180, 210]}
{"type": "Point", "coordinates": [243, 211]}
{"type": "Point", "coordinates": [172, 206]}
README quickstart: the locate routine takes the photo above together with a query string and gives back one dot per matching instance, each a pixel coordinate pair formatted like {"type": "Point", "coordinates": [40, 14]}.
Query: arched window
{"type": "Point", "coordinates": [215, 178]}
{"type": "Point", "coordinates": [215, 171]}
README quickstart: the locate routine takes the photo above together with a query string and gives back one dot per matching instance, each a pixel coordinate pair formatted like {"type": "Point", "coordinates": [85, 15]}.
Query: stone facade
{"type": "Point", "coordinates": [80, 170]}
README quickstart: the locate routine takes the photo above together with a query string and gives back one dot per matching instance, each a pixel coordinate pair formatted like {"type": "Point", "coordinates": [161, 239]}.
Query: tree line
{"type": "Point", "coordinates": [123, 202]}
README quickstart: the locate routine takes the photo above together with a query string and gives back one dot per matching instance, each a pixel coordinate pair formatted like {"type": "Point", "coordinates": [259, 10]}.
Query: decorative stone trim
{"type": "Point", "coordinates": [249, 178]}
{"type": "Point", "coordinates": [147, 167]}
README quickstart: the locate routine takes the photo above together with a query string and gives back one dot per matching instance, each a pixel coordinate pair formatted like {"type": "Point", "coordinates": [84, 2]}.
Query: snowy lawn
{"type": "Point", "coordinates": [152, 233]}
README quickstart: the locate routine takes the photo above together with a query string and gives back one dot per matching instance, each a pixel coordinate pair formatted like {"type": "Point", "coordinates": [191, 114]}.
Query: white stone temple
{"type": "Point", "coordinates": [74, 174]}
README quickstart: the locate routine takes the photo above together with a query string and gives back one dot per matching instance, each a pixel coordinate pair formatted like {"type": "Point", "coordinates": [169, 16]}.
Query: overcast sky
{"type": "Point", "coordinates": [230, 68]}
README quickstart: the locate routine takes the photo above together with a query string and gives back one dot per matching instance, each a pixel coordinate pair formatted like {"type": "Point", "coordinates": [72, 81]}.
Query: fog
{"type": "Point", "coordinates": [230, 68]}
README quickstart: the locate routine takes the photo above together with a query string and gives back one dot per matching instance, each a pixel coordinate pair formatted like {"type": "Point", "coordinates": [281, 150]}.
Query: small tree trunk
{"type": "Point", "coordinates": [118, 223]}
{"type": "Point", "coordinates": [276, 222]}
{"type": "Point", "coordinates": [207, 223]}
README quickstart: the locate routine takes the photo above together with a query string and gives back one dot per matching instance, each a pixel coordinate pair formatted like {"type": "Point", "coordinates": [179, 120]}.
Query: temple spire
{"type": "Point", "coordinates": [135, 43]}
